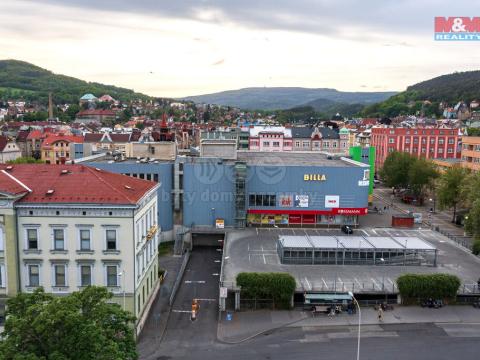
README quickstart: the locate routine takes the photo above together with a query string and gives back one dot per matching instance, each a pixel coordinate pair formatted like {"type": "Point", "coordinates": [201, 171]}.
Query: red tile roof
{"type": "Point", "coordinates": [90, 137]}
{"type": "Point", "coordinates": [79, 185]}
{"type": "Point", "coordinates": [36, 134]}
{"type": "Point", "coordinates": [52, 138]}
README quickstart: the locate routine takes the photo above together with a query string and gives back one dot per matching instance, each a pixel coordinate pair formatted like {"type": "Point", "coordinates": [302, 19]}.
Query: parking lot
{"type": "Point", "coordinates": [256, 250]}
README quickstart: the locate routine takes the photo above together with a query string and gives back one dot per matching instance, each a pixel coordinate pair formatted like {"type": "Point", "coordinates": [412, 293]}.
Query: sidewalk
{"type": "Point", "coordinates": [158, 317]}
{"type": "Point", "coordinates": [247, 325]}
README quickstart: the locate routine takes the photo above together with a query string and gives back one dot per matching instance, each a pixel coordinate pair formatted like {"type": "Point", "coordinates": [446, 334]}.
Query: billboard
{"type": "Point", "coordinates": [285, 201]}
{"type": "Point", "coordinates": [301, 201]}
{"type": "Point", "coordinates": [332, 201]}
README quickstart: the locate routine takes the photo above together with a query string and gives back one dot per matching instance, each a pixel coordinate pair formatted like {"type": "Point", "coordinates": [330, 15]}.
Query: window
{"type": "Point", "coordinates": [441, 141]}
{"type": "Point", "coordinates": [276, 144]}
{"type": "Point", "coordinates": [326, 144]}
{"type": "Point", "coordinates": [84, 239]}
{"type": "Point", "coordinates": [59, 275]}
{"type": "Point", "coordinates": [450, 150]}
{"type": "Point", "coordinates": [316, 144]}
{"type": "Point", "coordinates": [111, 239]}
{"type": "Point", "coordinates": [391, 140]}
{"type": "Point", "coordinates": [112, 276]}
{"type": "Point", "coordinates": [306, 144]}
{"type": "Point", "coordinates": [297, 143]}
{"type": "Point", "coordinates": [440, 150]}
{"type": "Point", "coordinates": [85, 275]}
{"type": "Point", "coordinates": [407, 141]}
{"type": "Point", "coordinates": [32, 238]}
{"type": "Point", "coordinates": [58, 239]}
{"type": "Point", "coordinates": [2, 246]}
{"type": "Point", "coordinates": [415, 140]}
{"type": "Point", "coordinates": [334, 144]}
{"type": "Point", "coordinates": [451, 141]}
{"type": "Point", "coordinates": [33, 275]}
{"type": "Point", "coordinates": [266, 143]}
{"type": "Point", "coordinates": [2, 276]}
{"type": "Point", "coordinates": [262, 200]}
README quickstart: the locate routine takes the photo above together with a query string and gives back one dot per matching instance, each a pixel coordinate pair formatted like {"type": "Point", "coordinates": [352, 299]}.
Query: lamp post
{"type": "Point", "coordinates": [122, 274]}
{"type": "Point", "coordinates": [434, 202]}
{"type": "Point", "coordinates": [359, 323]}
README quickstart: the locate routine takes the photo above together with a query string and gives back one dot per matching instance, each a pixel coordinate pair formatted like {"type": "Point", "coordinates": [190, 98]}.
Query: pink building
{"type": "Point", "coordinates": [270, 138]}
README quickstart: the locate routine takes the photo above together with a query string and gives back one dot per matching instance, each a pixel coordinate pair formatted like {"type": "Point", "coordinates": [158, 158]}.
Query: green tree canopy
{"type": "Point", "coordinates": [421, 175]}
{"type": "Point", "coordinates": [81, 326]}
{"type": "Point", "coordinates": [449, 191]}
{"type": "Point", "coordinates": [395, 169]}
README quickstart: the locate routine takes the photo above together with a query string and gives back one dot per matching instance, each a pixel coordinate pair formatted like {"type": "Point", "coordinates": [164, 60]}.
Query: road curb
{"type": "Point", "coordinates": [250, 337]}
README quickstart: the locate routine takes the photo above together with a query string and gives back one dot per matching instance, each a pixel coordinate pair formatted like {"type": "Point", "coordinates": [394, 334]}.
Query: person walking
{"type": "Point", "coordinates": [380, 314]}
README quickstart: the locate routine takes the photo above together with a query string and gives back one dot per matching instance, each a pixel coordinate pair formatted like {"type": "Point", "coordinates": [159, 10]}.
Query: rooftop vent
{"type": "Point", "coordinates": [64, 172]}
{"type": "Point", "coordinates": [98, 169]}
{"type": "Point", "coordinates": [128, 187]}
{"type": "Point", "coordinates": [50, 191]}
{"type": "Point", "coordinates": [8, 168]}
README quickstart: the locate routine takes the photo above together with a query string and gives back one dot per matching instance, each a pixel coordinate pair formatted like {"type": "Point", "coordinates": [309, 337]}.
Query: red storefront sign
{"type": "Point", "coordinates": [299, 213]}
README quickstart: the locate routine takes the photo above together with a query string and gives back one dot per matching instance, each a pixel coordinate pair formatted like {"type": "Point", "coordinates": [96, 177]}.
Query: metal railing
{"type": "Point", "coordinates": [465, 241]}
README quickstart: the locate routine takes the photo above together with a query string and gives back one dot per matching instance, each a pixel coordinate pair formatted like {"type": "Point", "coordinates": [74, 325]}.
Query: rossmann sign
{"type": "Point", "coordinates": [458, 28]}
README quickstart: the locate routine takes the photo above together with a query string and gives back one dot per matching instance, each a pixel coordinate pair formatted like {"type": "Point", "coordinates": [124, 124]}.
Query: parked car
{"type": "Point", "coordinates": [347, 229]}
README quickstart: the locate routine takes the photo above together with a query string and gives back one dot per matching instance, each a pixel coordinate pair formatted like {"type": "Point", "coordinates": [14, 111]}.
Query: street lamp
{"type": "Point", "coordinates": [359, 323]}
{"type": "Point", "coordinates": [434, 201]}
{"type": "Point", "coordinates": [123, 275]}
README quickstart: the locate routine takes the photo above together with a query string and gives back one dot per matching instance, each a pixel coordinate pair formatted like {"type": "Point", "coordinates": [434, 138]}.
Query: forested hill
{"type": "Point", "coordinates": [19, 79]}
{"type": "Point", "coordinates": [426, 96]}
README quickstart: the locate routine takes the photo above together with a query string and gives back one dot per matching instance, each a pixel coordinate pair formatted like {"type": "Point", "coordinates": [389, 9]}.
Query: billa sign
{"type": "Point", "coordinates": [314, 177]}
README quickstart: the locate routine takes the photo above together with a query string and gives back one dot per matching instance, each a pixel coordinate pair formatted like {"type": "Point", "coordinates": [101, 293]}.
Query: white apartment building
{"type": "Point", "coordinates": [79, 226]}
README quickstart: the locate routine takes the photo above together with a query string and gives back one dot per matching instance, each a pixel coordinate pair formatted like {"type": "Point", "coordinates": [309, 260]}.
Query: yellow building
{"type": "Point", "coordinates": [55, 148]}
{"type": "Point", "coordinates": [471, 152]}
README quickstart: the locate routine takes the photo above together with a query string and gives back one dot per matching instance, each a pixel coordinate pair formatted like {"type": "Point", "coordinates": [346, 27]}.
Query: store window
{"type": "Point", "coordinates": [262, 200]}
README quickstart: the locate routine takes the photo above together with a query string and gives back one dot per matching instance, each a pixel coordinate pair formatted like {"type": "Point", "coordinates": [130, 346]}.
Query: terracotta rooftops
{"type": "Point", "coordinates": [71, 184]}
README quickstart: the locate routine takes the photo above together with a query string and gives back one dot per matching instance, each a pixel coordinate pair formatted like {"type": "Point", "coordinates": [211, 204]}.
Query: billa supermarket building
{"type": "Point", "coordinates": [294, 189]}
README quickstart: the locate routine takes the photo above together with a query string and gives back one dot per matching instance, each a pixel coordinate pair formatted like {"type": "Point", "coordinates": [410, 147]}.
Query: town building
{"type": "Point", "coordinates": [65, 227]}
{"type": "Point", "coordinates": [98, 116]}
{"type": "Point", "coordinates": [320, 139]}
{"type": "Point", "coordinates": [88, 99]}
{"type": "Point", "coordinates": [57, 148]}
{"type": "Point", "coordinates": [270, 138]}
{"type": "Point", "coordinates": [232, 134]}
{"type": "Point", "coordinates": [9, 149]}
{"type": "Point", "coordinates": [471, 152]}
{"type": "Point", "coordinates": [108, 141]}
{"type": "Point", "coordinates": [429, 143]}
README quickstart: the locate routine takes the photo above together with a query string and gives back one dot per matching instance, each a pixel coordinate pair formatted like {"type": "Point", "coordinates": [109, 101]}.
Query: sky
{"type": "Point", "coordinates": [176, 48]}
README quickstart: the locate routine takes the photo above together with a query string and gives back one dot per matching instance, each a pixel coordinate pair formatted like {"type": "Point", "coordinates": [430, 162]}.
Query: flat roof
{"type": "Point", "coordinates": [355, 242]}
{"type": "Point", "coordinates": [384, 242]}
{"type": "Point", "coordinates": [413, 243]}
{"type": "Point", "coordinates": [295, 158]}
{"type": "Point", "coordinates": [325, 242]}
{"type": "Point", "coordinates": [295, 241]}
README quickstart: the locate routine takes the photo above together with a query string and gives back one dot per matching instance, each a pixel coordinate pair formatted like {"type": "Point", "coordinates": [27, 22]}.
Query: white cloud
{"type": "Point", "coordinates": [170, 51]}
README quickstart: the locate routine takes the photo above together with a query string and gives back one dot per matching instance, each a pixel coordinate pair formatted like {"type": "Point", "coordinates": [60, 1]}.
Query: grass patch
{"type": "Point", "coordinates": [165, 248]}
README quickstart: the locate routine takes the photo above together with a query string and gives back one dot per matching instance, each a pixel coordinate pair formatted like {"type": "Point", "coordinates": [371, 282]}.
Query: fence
{"type": "Point", "coordinates": [178, 280]}
{"type": "Point", "coordinates": [256, 304]}
{"type": "Point", "coordinates": [465, 241]}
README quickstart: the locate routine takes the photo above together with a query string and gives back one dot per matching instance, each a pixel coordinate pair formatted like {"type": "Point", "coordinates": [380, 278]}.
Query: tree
{"type": "Point", "coordinates": [79, 326]}
{"type": "Point", "coordinates": [25, 160]}
{"type": "Point", "coordinates": [420, 176]}
{"type": "Point", "coordinates": [449, 191]}
{"type": "Point", "coordinates": [395, 169]}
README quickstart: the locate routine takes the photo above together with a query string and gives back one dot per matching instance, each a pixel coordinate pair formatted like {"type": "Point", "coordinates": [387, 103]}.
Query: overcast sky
{"type": "Point", "coordinates": [186, 47]}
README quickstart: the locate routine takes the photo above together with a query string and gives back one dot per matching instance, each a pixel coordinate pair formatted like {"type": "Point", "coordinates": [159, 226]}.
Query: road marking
{"type": "Point", "coordinates": [248, 246]}
{"type": "Point", "coordinates": [194, 281]}
{"type": "Point", "coordinates": [211, 300]}
{"type": "Point", "coordinates": [308, 284]}
{"type": "Point", "coordinates": [256, 229]}
{"type": "Point", "coordinates": [390, 281]}
{"type": "Point", "coordinates": [219, 249]}
{"type": "Point", "coordinates": [366, 234]}
{"type": "Point", "coordinates": [182, 311]}
{"type": "Point", "coordinates": [293, 232]}
{"type": "Point", "coordinates": [264, 260]}
{"type": "Point", "coordinates": [216, 274]}
{"type": "Point", "coordinates": [358, 282]}
{"type": "Point", "coordinates": [217, 261]}
{"type": "Point", "coordinates": [373, 230]}
{"type": "Point", "coordinates": [248, 257]}
{"type": "Point", "coordinates": [375, 284]}
{"type": "Point", "coordinates": [325, 283]}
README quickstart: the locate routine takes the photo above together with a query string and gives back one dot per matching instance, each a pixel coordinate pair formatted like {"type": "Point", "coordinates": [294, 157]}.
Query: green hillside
{"type": "Point", "coordinates": [451, 88]}
{"type": "Point", "coordinates": [19, 79]}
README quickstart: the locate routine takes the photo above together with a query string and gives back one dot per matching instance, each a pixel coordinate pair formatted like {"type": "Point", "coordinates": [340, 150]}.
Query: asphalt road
{"type": "Point", "coordinates": [184, 337]}
{"type": "Point", "coordinates": [398, 342]}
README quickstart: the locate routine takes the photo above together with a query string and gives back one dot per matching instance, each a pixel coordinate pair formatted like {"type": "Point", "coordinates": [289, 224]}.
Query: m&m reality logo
{"type": "Point", "coordinates": [457, 28]}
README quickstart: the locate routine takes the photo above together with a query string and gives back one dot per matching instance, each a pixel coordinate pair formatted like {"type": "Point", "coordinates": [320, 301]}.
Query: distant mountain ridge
{"type": "Point", "coordinates": [20, 78]}
{"type": "Point", "coordinates": [277, 98]}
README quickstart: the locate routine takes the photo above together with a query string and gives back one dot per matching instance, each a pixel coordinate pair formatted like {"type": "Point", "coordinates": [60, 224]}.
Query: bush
{"type": "Point", "coordinates": [277, 286]}
{"type": "Point", "coordinates": [476, 247]}
{"type": "Point", "coordinates": [420, 286]}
